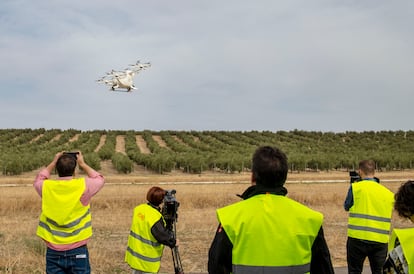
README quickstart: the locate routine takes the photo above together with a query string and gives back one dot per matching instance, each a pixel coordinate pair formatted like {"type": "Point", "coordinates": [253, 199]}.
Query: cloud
{"type": "Point", "coordinates": [322, 65]}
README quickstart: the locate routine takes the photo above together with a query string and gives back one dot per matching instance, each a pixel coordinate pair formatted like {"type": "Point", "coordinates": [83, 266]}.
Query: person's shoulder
{"type": "Point", "coordinates": [140, 206]}
{"type": "Point", "coordinates": [232, 206]}
{"type": "Point", "coordinates": [303, 206]}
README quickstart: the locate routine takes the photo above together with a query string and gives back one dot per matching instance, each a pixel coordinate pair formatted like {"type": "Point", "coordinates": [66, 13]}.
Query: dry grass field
{"type": "Point", "coordinates": [199, 196]}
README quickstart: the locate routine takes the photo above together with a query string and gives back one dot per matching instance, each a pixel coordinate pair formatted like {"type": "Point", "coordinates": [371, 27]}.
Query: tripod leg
{"type": "Point", "coordinates": [177, 261]}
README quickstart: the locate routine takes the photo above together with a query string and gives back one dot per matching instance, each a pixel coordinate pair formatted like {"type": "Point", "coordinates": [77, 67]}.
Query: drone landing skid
{"type": "Point", "coordinates": [121, 90]}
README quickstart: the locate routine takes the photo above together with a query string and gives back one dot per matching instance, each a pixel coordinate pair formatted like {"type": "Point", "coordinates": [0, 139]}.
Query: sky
{"type": "Point", "coordinates": [267, 65]}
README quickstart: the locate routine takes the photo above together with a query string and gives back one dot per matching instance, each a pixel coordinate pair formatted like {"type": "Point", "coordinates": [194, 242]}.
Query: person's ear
{"type": "Point", "coordinates": [253, 180]}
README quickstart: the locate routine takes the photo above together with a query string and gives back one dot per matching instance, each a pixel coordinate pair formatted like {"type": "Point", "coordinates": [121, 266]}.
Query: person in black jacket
{"type": "Point", "coordinates": [269, 173]}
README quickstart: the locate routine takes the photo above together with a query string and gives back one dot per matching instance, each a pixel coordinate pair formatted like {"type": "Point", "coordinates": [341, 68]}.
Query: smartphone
{"type": "Point", "coordinates": [73, 154]}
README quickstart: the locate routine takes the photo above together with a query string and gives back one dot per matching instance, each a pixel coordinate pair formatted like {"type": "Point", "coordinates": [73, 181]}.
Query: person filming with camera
{"type": "Point", "coordinates": [148, 234]}
{"type": "Point", "coordinates": [370, 206]}
{"type": "Point", "coordinates": [65, 220]}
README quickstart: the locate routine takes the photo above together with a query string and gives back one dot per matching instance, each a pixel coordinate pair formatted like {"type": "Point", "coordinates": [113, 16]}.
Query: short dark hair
{"type": "Point", "coordinates": [269, 166]}
{"type": "Point", "coordinates": [66, 165]}
{"type": "Point", "coordinates": [404, 199]}
{"type": "Point", "coordinates": [155, 195]}
{"type": "Point", "coordinates": [367, 166]}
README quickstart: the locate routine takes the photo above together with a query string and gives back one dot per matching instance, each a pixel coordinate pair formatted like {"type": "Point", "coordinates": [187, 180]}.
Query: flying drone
{"type": "Point", "coordinates": [123, 80]}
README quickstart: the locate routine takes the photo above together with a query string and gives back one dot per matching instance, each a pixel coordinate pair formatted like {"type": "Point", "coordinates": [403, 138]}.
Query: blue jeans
{"type": "Point", "coordinates": [358, 250]}
{"type": "Point", "coordinates": [75, 261]}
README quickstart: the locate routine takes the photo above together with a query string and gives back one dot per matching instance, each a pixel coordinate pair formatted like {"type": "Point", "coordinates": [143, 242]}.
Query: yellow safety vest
{"type": "Point", "coordinates": [370, 216]}
{"type": "Point", "coordinates": [64, 220]}
{"type": "Point", "coordinates": [406, 239]}
{"type": "Point", "coordinates": [270, 234]}
{"type": "Point", "coordinates": [144, 252]}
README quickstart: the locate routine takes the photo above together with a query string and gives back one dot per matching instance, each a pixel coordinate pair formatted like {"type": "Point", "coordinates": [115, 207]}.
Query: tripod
{"type": "Point", "coordinates": [169, 211]}
{"type": "Point", "coordinates": [178, 268]}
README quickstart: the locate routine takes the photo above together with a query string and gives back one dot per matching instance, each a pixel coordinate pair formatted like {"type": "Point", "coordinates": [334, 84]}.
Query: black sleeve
{"type": "Point", "coordinates": [162, 235]}
{"type": "Point", "coordinates": [321, 258]}
{"type": "Point", "coordinates": [219, 255]}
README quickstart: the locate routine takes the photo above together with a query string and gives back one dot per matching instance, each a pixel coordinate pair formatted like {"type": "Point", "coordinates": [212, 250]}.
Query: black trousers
{"type": "Point", "coordinates": [357, 250]}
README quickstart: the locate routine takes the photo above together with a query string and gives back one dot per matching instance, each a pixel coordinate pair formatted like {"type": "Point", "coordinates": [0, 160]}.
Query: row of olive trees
{"type": "Point", "coordinates": [199, 151]}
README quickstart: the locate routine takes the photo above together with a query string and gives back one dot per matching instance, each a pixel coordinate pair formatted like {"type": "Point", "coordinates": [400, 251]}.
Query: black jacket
{"type": "Point", "coordinates": [161, 233]}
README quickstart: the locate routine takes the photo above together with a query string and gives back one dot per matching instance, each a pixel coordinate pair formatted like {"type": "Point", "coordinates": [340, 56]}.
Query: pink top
{"type": "Point", "coordinates": [94, 183]}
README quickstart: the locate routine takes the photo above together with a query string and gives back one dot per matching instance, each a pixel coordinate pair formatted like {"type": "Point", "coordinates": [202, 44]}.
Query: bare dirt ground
{"type": "Point", "coordinates": [142, 145]}
{"type": "Point", "coordinates": [101, 143]}
{"type": "Point", "coordinates": [120, 144]}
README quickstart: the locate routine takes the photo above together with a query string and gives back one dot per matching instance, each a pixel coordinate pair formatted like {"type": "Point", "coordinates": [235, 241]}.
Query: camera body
{"type": "Point", "coordinates": [354, 176]}
{"type": "Point", "coordinates": [169, 212]}
{"type": "Point", "coordinates": [170, 207]}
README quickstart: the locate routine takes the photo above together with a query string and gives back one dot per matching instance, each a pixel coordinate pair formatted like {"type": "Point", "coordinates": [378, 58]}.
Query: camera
{"type": "Point", "coordinates": [170, 207]}
{"type": "Point", "coordinates": [73, 154]}
{"type": "Point", "coordinates": [354, 176]}
{"type": "Point", "coordinates": [169, 212]}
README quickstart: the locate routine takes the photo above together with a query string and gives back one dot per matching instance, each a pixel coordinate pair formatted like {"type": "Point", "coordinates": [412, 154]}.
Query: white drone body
{"type": "Point", "coordinates": [123, 80]}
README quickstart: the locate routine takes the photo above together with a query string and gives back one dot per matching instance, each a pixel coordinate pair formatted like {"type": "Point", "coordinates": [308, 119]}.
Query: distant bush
{"type": "Point", "coordinates": [122, 163]}
{"type": "Point", "coordinates": [93, 160]}
{"type": "Point", "coordinates": [12, 166]}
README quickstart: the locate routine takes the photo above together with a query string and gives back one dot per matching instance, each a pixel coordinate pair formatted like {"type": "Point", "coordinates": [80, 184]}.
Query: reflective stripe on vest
{"type": "Point", "coordinates": [270, 232]}
{"type": "Point", "coordinates": [62, 233]}
{"type": "Point", "coordinates": [297, 269]}
{"type": "Point", "coordinates": [64, 220]}
{"type": "Point", "coordinates": [370, 216]}
{"type": "Point", "coordinates": [142, 257]}
{"type": "Point", "coordinates": [144, 251]}
{"type": "Point", "coordinates": [148, 242]}
{"type": "Point", "coordinates": [406, 239]}
{"type": "Point", "coordinates": [71, 224]}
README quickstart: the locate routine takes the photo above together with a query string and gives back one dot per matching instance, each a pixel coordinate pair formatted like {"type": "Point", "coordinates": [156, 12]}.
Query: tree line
{"type": "Point", "coordinates": [25, 150]}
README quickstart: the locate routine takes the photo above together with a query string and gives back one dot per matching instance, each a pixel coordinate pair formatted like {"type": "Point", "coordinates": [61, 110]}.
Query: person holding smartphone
{"type": "Point", "coordinates": [65, 220]}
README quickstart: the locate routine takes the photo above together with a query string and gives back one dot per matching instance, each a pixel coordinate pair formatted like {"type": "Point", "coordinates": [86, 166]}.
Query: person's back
{"type": "Point", "coordinates": [370, 209]}
{"type": "Point", "coordinates": [370, 217]}
{"type": "Point", "coordinates": [268, 232]}
{"type": "Point", "coordinates": [65, 221]}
